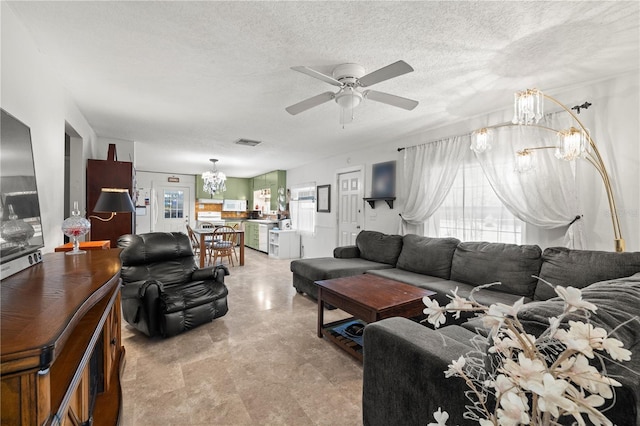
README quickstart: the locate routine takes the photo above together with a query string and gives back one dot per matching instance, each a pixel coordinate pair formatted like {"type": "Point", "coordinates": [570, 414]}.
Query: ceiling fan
{"type": "Point", "coordinates": [350, 78]}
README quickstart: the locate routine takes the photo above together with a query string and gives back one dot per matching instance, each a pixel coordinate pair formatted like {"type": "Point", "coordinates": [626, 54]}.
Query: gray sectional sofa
{"type": "Point", "coordinates": [438, 264]}
{"type": "Point", "coordinates": [404, 361]}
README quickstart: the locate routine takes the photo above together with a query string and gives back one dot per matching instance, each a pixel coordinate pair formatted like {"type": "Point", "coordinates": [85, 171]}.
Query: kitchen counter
{"type": "Point", "coordinates": [262, 221]}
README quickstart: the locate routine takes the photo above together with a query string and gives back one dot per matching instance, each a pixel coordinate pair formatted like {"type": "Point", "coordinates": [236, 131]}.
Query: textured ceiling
{"type": "Point", "coordinates": [185, 79]}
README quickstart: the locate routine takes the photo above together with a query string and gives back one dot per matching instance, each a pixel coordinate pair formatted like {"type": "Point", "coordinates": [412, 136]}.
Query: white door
{"type": "Point", "coordinates": [350, 207]}
{"type": "Point", "coordinates": [173, 208]}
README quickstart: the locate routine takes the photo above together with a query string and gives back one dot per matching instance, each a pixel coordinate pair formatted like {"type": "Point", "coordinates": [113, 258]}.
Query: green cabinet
{"type": "Point", "coordinates": [251, 235]}
{"type": "Point", "coordinates": [271, 181]}
{"type": "Point", "coordinates": [237, 189]}
{"type": "Point", "coordinates": [275, 180]}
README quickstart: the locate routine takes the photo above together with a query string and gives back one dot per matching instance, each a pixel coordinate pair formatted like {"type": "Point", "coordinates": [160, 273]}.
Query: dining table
{"type": "Point", "coordinates": [203, 232]}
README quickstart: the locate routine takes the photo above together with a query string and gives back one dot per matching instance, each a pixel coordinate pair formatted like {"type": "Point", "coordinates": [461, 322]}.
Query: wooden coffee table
{"type": "Point", "coordinates": [369, 298]}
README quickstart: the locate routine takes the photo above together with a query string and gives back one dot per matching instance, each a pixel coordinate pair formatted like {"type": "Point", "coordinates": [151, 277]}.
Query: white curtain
{"type": "Point", "coordinates": [472, 211]}
{"type": "Point", "coordinates": [546, 196]}
{"type": "Point", "coordinates": [428, 173]}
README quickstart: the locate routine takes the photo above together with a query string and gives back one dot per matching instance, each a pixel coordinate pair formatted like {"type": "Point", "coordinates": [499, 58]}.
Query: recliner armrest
{"type": "Point", "coordinates": [210, 274]}
{"type": "Point", "coordinates": [140, 305]}
{"type": "Point", "coordinates": [346, 252]}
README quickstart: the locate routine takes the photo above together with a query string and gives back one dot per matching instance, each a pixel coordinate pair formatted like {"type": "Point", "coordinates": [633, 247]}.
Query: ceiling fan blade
{"type": "Point", "coordinates": [389, 99]}
{"type": "Point", "coordinates": [317, 74]}
{"type": "Point", "coordinates": [385, 73]}
{"type": "Point", "coordinates": [310, 103]}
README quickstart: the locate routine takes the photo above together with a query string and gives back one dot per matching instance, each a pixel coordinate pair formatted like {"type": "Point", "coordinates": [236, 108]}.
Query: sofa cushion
{"type": "Point", "coordinates": [512, 265]}
{"type": "Point", "coordinates": [326, 268]}
{"type": "Point", "coordinates": [379, 247]}
{"type": "Point", "coordinates": [617, 301]}
{"type": "Point", "coordinates": [429, 256]}
{"type": "Point", "coordinates": [579, 268]}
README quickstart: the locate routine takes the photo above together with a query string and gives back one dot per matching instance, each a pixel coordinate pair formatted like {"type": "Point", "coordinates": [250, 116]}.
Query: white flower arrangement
{"type": "Point", "coordinates": [532, 380]}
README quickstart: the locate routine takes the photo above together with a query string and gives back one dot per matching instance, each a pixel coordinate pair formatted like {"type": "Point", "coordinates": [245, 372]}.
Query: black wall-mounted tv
{"type": "Point", "coordinates": [20, 222]}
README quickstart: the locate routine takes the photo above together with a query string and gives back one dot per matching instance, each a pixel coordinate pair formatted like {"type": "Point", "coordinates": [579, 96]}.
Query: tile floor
{"type": "Point", "coordinates": [262, 363]}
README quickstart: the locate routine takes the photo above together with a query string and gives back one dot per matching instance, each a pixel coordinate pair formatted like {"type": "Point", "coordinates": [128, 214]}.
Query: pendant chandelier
{"type": "Point", "coordinates": [214, 181]}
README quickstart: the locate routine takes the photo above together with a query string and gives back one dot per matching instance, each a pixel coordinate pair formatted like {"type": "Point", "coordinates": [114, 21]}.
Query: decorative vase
{"type": "Point", "coordinates": [16, 231]}
{"type": "Point", "coordinates": [75, 226]}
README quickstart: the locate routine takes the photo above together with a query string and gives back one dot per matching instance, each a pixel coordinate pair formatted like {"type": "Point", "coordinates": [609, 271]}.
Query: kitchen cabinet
{"type": "Point", "coordinates": [272, 181]}
{"type": "Point", "coordinates": [259, 182]}
{"type": "Point", "coordinates": [237, 189]}
{"type": "Point", "coordinates": [252, 235]}
{"type": "Point", "coordinates": [284, 244]}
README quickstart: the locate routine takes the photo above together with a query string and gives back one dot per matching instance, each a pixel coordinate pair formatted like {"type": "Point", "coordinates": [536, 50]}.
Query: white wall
{"type": "Point", "coordinates": [323, 172]}
{"type": "Point", "coordinates": [33, 93]}
{"type": "Point", "coordinates": [612, 120]}
{"type": "Point", "coordinates": [124, 149]}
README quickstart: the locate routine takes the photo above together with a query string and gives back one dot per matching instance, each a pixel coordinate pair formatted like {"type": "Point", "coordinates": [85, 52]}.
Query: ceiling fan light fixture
{"type": "Point", "coordinates": [349, 98]}
{"type": "Point", "coordinates": [350, 78]}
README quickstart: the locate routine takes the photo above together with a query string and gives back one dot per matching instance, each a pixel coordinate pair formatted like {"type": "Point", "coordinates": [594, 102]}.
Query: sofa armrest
{"type": "Point", "coordinates": [403, 374]}
{"type": "Point", "coordinates": [346, 252]}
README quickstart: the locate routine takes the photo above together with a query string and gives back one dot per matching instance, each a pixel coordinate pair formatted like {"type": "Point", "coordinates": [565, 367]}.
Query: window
{"type": "Point", "coordinates": [173, 204]}
{"type": "Point", "coordinates": [303, 207]}
{"type": "Point", "coordinates": [473, 212]}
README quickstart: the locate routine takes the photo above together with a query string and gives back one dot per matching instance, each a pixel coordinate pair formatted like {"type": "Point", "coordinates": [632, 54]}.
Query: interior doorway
{"type": "Point", "coordinates": [350, 206]}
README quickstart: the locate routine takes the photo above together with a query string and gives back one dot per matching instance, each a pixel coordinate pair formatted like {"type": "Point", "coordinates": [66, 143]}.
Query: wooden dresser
{"type": "Point", "coordinates": [61, 351]}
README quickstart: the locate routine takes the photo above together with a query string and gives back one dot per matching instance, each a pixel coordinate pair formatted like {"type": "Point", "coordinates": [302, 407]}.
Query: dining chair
{"type": "Point", "coordinates": [195, 243]}
{"type": "Point", "coordinates": [207, 238]}
{"type": "Point", "coordinates": [235, 227]}
{"type": "Point", "coordinates": [224, 242]}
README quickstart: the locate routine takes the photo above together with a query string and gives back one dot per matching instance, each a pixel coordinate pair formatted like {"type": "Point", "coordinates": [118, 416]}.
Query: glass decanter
{"type": "Point", "coordinates": [16, 231]}
{"type": "Point", "coordinates": [75, 226]}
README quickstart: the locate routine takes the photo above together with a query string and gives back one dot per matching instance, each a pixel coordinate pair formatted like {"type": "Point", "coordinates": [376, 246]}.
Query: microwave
{"type": "Point", "coordinates": [234, 205]}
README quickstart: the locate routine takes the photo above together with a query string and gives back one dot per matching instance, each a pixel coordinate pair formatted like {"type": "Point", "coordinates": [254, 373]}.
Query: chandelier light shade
{"type": "Point", "coordinates": [214, 181]}
{"type": "Point", "coordinates": [481, 140]}
{"type": "Point", "coordinates": [528, 107]}
{"type": "Point", "coordinates": [572, 144]}
{"type": "Point", "coordinates": [524, 161]}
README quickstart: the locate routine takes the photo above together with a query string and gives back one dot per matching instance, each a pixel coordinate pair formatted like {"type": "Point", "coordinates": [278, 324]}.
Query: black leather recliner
{"type": "Point", "coordinates": [163, 291]}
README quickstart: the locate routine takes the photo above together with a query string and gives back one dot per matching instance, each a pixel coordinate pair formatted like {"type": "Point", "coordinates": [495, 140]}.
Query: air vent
{"type": "Point", "coordinates": [247, 142]}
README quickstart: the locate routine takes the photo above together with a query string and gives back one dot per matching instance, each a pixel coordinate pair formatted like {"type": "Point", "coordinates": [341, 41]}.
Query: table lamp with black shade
{"type": "Point", "coordinates": [113, 200]}
{"type": "Point", "coordinates": [111, 227]}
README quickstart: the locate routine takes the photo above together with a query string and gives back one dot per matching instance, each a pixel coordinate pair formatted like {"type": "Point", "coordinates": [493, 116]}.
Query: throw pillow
{"type": "Point", "coordinates": [428, 256]}
{"type": "Point", "coordinates": [378, 247]}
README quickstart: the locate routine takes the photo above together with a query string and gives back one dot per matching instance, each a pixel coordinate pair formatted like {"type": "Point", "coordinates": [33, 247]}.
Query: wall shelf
{"type": "Point", "coordinates": [372, 201]}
